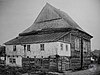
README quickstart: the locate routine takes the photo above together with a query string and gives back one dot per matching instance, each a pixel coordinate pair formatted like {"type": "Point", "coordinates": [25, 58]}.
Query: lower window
{"type": "Point", "coordinates": [12, 60]}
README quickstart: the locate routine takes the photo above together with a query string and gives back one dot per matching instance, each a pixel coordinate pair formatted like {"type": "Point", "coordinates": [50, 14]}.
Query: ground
{"type": "Point", "coordinates": [95, 70]}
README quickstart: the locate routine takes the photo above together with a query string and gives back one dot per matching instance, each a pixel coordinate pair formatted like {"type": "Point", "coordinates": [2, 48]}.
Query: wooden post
{"type": "Point", "coordinates": [49, 62]}
{"type": "Point", "coordinates": [25, 51]}
{"type": "Point", "coordinates": [29, 66]}
{"type": "Point", "coordinates": [61, 63]}
{"type": "Point", "coordinates": [81, 53]}
{"type": "Point", "coordinates": [42, 61]}
{"type": "Point", "coordinates": [57, 56]}
{"type": "Point", "coordinates": [57, 63]}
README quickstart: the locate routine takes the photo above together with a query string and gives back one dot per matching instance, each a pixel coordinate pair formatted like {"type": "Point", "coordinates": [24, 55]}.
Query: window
{"type": "Point", "coordinates": [89, 47]}
{"type": "Point", "coordinates": [28, 47]}
{"type": "Point", "coordinates": [61, 46]}
{"type": "Point", "coordinates": [14, 47]}
{"type": "Point", "coordinates": [24, 50]}
{"type": "Point", "coordinates": [12, 60]}
{"type": "Point", "coordinates": [85, 46]}
{"type": "Point", "coordinates": [66, 47]}
{"type": "Point", "coordinates": [77, 43]}
{"type": "Point", "coordinates": [42, 47]}
{"type": "Point", "coordinates": [34, 56]}
{"type": "Point", "coordinates": [24, 47]}
{"type": "Point", "coordinates": [41, 56]}
{"type": "Point", "coordinates": [27, 56]}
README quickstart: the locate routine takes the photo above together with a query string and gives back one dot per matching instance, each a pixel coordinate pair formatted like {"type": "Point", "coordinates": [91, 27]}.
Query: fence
{"type": "Point", "coordinates": [51, 63]}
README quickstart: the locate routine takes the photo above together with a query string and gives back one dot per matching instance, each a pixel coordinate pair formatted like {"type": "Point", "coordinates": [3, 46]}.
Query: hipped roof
{"type": "Point", "coordinates": [51, 17]}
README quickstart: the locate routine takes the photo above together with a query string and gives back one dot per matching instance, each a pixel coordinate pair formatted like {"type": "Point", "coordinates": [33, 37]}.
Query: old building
{"type": "Point", "coordinates": [52, 33]}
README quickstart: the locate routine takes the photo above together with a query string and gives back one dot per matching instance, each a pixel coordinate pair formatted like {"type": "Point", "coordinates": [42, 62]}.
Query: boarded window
{"type": "Point", "coordinates": [77, 43]}
{"type": "Point", "coordinates": [14, 47]}
{"type": "Point", "coordinates": [61, 45]}
{"type": "Point", "coordinates": [85, 45]}
{"type": "Point", "coordinates": [28, 47]}
{"type": "Point", "coordinates": [42, 47]}
{"type": "Point", "coordinates": [89, 46]}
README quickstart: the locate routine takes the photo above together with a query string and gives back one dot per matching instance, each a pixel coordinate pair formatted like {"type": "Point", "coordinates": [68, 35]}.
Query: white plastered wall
{"type": "Point", "coordinates": [50, 49]}
{"type": "Point", "coordinates": [64, 52]}
{"type": "Point", "coordinates": [14, 54]}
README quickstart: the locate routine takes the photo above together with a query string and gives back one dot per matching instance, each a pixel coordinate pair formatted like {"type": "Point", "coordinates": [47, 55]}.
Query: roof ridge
{"type": "Point", "coordinates": [50, 7]}
{"type": "Point", "coordinates": [62, 14]}
{"type": "Point", "coordinates": [55, 9]}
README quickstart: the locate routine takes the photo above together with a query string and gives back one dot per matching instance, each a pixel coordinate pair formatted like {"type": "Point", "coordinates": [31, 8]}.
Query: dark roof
{"type": "Point", "coordinates": [40, 38]}
{"type": "Point", "coordinates": [51, 17]}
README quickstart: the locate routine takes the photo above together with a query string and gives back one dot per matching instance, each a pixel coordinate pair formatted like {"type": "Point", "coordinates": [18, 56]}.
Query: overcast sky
{"type": "Point", "coordinates": [17, 15]}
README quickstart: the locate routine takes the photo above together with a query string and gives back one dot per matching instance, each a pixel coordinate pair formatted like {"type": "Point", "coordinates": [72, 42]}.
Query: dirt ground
{"type": "Point", "coordinates": [95, 70]}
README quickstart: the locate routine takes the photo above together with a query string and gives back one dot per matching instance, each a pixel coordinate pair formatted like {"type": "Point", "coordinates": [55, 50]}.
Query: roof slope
{"type": "Point", "coordinates": [36, 38]}
{"type": "Point", "coordinates": [51, 17]}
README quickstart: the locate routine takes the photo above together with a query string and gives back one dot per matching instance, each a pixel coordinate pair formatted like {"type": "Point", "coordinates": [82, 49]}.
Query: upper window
{"type": "Point", "coordinates": [85, 46]}
{"type": "Point", "coordinates": [14, 47]}
{"type": "Point", "coordinates": [24, 47]}
{"type": "Point", "coordinates": [28, 47]}
{"type": "Point", "coordinates": [42, 47]}
{"type": "Point", "coordinates": [77, 44]}
{"type": "Point", "coordinates": [66, 47]}
{"type": "Point", "coordinates": [61, 46]}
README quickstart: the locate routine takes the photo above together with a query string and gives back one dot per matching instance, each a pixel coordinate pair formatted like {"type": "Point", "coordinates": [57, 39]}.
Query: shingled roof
{"type": "Point", "coordinates": [50, 25]}
{"type": "Point", "coordinates": [51, 17]}
{"type": "Point", "coordinates": [38, 38]}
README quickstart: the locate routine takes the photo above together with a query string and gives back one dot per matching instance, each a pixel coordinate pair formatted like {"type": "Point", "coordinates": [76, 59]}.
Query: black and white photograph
{"type": "Point", "coordinates": [49, 37]}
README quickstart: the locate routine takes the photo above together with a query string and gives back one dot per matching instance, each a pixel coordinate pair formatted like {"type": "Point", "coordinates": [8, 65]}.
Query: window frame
{"type": "Point", "coordinates": [77, 44]}
{"type": "Point", "coordinates": [42, 47]}
{"type": "Point", "coordinates": [61, 46]}
{"type": "Point", "coordinates": [66, 47]}
{"type": "Point", "coordinates": [24, 47]}
{"type": "Point", "coordinates": [28, 48]}
{"type": "Point", "coordinates": [12, 60]}
{"type": "Point", "coordinates": [85, 46]}
{"type": "Point", "coordinates": [14, 48]}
